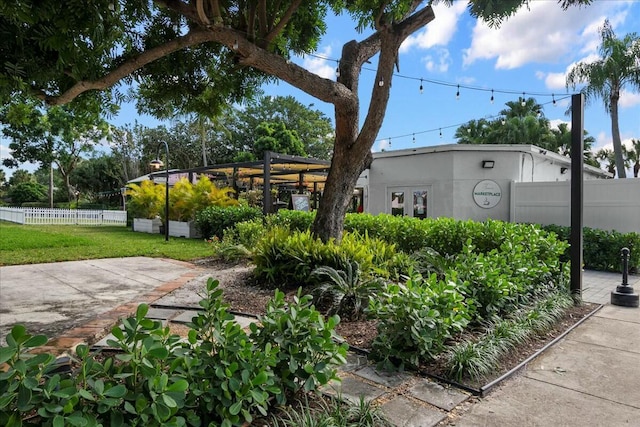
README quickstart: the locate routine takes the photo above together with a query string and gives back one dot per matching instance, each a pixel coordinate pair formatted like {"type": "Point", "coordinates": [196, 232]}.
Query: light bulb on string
{"type": "Point", "coordinates": [389, 142]}
{"type": "Point", "coordinates": [524, 102]}
{"type": "Point", "coordinates": [421, 88]}
{"type": "Point", "coordinates": [414, 138]}
{"type": "Point", "coordinates": [492, 99]}
{"type": "Point", "coordinates": [338, 69]}
{"type": "Point", "coordinates": [235, 44]}
{"type": "Point", "coordinates": [503, 121]}
{"type": "Point", "coordinates": [440, 132]}
{"type": "Point", "coordinates": [112, 7]}
{"type": "Point", "coordinates": [458, 93]}
{"type": "Point", "coordinates": [381, 82]}
{"type": "Point", "coordinates": [553, 99]}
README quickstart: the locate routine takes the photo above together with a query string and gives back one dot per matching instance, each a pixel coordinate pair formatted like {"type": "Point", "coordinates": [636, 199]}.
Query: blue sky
{"type": "Point", "coordinates": [530, 53]}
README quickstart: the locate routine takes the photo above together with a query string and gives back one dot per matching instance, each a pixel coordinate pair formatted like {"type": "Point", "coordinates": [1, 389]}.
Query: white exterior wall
{"type": "Point", "coordinates": [607, 204]}
{"type": "Point", "coordinates": [450, 173]}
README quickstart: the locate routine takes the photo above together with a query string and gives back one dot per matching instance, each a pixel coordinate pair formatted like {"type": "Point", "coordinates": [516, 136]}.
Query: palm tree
{"type": "Point", "coordinates": [562, 136]}
{"type": "Point", "coordinates": [633, 155]}
{"type": "Point", "coordinates": [609, 156]}
{"type": "Point", "coordinates": [605, 78]}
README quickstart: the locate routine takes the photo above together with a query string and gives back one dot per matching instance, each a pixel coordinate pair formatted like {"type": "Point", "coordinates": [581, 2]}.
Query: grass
{"type": "Point", "coordinates": [31, 244]}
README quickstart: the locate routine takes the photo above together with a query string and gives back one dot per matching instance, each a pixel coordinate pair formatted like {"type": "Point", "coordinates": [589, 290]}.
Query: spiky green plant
{"type": "Point", "coordinates": [344, 291]}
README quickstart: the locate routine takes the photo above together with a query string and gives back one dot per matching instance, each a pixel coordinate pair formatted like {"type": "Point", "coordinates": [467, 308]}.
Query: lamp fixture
{"type": "Point", "coordinates": [488, 164]}
{"type": "Point", "coordinates": [563, 170]}
{"type": "Point", "coordinates": [421, 88]}
{"type": "Point", "coordinates": [524, 100]}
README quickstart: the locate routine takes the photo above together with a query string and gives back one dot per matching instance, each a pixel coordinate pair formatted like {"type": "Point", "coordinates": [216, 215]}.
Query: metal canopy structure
{"type": "Point", "coordinates": [274, 169]}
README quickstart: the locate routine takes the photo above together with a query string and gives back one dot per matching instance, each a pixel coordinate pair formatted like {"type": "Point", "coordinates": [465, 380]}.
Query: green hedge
{"type": "Point", "coordinates": [601, 248]}
{"type": "Point", "coordinates": [213, 220]}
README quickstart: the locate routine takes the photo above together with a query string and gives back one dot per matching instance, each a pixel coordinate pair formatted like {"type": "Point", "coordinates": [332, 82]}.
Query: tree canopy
{"type": "Point", "coordinates": [194, 52]}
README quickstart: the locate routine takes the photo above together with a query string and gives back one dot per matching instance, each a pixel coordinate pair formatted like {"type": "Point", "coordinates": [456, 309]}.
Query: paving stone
{"type": "Point", "coordinates": [244, 322]}
{"type": "Point", "coordinates": [161, 313]}
{"type": "Point", "coordinates": [352, 389]}
{"type": "Point", "coordinates": [103, 341]}
{"type": "Point", "coordinates": [354, 361]}
{"type": "Point", "coordinates": [387, 379]}
{"type": "Point", "coordinates": [443, 397]}
{"type": "Point", "coordinates": [402, 412]}
{"type": "Point", "coordinates": [185, 316]}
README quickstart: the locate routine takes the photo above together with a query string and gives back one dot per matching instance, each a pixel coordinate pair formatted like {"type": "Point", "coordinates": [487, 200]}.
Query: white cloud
{"type": "Point", "coordinates": [383, 145]}
{"type": "Point", "coordinates": [321, 66]}
{"type": "Point", "coordinates": [438, 32]}
{"type": "Point", "coordinates": [541, 32]}
{"type": "Point", "coordinates": [440, 63]}
{"type": "Point", "coordinates": [629, 99]}
{"type": "Point", "coordinates": [555, 123]}
{"type": "Point", "coordinates": [5, 153]}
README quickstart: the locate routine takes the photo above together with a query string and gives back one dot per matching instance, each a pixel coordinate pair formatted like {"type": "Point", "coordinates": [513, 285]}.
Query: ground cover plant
{"type": "Point", "coordinates": [30, 244]}
{"type": "Point", "coordinates": [221, 375]}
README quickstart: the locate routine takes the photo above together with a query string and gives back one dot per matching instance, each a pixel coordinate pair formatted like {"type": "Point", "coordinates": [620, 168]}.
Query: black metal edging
{"type": "Point", "coordinates": [487, 387]}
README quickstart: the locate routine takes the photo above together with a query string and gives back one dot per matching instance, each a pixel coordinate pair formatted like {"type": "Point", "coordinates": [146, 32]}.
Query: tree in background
{"type": "Point", "coordinates": [98, 179]}
{"type": "Point", "coordinates": [60, 135]}
{"type": "Point", "coordinates": [524, 123]}
{"type": "Point", "coordinates": [180, 51]}
{"type": "Point", "coordinates": [633, 155]}
{"type": "Point", "coordinates": [609, 156]}
{"type": "Point", "coordinates": [617, 68]}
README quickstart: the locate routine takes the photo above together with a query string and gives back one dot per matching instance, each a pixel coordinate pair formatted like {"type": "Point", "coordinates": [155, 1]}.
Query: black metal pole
{"type": "Point", "coordinates": [266, 183]}
{"type": "Point", "coordinates": [624, 294]}
{"type": "Point", "coordinates": [166, 186]}
{"type": "Point", "coordinates": [577, 135]}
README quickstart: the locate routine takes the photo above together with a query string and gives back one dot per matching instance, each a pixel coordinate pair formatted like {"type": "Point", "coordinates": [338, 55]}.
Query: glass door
{"type": "Point", "coordinates": [409, 201]}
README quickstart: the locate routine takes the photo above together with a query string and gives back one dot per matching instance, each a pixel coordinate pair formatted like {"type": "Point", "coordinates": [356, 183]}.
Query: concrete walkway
{"type": "Point", "coordinates": [590, 378]}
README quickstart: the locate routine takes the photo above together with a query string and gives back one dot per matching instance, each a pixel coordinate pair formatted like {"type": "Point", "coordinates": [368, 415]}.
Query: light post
{"type": "Point", "coordinates": [157, 165]}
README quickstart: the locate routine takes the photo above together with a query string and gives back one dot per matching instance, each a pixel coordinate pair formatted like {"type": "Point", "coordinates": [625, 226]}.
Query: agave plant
{"type": "Point", "coordinates": [344, 291]}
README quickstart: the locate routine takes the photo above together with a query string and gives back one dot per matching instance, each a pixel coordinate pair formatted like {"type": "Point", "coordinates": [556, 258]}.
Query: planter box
{"type": "Point", "coordinates": [143, 225]}
{"type": "Point", "coordinates": [184, 229]}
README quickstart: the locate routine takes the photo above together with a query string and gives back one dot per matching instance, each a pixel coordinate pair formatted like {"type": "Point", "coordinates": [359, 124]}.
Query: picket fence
{"type": "Point", "coordinates": [63, 216]}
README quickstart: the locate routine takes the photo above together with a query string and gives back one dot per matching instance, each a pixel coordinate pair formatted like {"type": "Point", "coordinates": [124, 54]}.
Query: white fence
{"type": "Point", "coordinates": [63, 216]}
{"type": "Point", "coordinates": [611, 204]}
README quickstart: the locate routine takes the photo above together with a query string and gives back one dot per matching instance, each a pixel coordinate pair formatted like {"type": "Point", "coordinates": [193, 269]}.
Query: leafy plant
{"type": "Point", "coordinates": [214, 220]}
{"type": "Point", "coordinates": [146, 199]}
{"type": "Point", "coordinates": [306, 351]}
{"type": "Point", "coordinates": [416, 318]}
{"type": "Point", "coordinates": [344, 291]}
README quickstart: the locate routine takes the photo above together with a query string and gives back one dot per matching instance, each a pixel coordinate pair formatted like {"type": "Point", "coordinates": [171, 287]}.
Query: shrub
{"type": "Point", "coordinates": [290, 219]}
{"type": "Point", "coordinates": [601, 249]}
{"type": "Point", "coordinates": [306, 351]}
{"type": "Point", "coordinates": [27, 192]}
{"type": "Point", "coordinates": [214, 220]}
{"type": "Point", "coordinates": [219, 376]}
{"type": "Point", "coordinates": [287, 259]}
{"type": "Point", "coordinates": [344, 292]}
{"type": "Point", "coordinates": [146, 199]}
{"type": "Point", "coordinates": [416, 318]}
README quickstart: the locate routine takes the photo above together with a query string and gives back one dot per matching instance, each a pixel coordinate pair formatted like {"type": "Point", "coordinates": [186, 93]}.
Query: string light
{"type": "Point", "coordinates": [458, 93]}
{"type": "Point", "coordinates": [553, 98]}
{"type": "Point", "coordinates": [112, 7]}
{"type": "Point", "coordinates": [440, 132]}
{"type": "Point", "coordinates": [338, 69]}
{"type": "Point", "coordinates": [492, 96]}
{"type": "Point", "coordinates": [381, 82]}
{"type": "Point", "coordinates": [524, 100]}
{"type": "Point", "coordinates": [389, 142]}
{"type": "Point", "coordinates": [235, 44]}
{"type": "Point", "coordinates": [421, 88]}
{"type": "Point", "coordinates": [414, 138]}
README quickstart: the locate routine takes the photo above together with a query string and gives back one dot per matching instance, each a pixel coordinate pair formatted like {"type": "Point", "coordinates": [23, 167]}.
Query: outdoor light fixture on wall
{"type": "Point", "coordinates": [157, 164]}
{"type": "Point", "coordinates": [563, 170]}
{"type": "Point", "coordinates": [488, 164]}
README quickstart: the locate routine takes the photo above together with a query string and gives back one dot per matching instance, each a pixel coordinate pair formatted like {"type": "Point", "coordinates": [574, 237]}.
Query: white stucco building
{"type": "Point", "coordinates": [457, 180]}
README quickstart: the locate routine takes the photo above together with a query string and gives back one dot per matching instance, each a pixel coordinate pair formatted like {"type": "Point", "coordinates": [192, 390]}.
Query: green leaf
{"type": "Point", "coordinates": [235, 408]}
{"type": "Point", "coordinates": [180, 385]}
{"type": "Point", "coordinates": [142, 311]}
{"type": "Point", "coordinates": [36, 341]}
{"type": "Point", "coordinates": [6, 353]}
{"type": "Point", "coordinates": [261, 378]}
{"type": "Point", "coordinates": [169, 401]}
{"type": "Point", "coordinates": [58, 421]}
{"type": "Point", "coordinates": [117, 391]}
{"type": "Point", "coordinates": [85, 394]}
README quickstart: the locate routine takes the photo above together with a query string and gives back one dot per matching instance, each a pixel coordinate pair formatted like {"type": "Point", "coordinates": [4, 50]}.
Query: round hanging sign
{"type": "Point", "coordinates": [487, 194]}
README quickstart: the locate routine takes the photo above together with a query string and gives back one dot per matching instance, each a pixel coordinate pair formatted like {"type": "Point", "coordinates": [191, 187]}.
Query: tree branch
{"type": "Point", "coordinates": [128, 67]}
{"type": "Point", "coordinates": [283, 21]}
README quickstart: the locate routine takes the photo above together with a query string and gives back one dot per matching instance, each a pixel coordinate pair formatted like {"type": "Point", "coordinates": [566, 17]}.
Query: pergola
{"type": "Point", "coordinates": [274, 169]}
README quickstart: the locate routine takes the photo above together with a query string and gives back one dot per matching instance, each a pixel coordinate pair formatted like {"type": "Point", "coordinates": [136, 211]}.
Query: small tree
{"type": "Point", "coordinates": [147, 199]}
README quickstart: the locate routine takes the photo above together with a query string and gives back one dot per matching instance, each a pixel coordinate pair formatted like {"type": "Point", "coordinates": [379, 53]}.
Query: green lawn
{"type": "Point", "coordinates": [30, 244]}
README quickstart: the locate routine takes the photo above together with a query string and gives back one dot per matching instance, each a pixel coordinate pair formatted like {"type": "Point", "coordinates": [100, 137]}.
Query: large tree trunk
{"type": "Point", "coordinates": [615, 135]}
